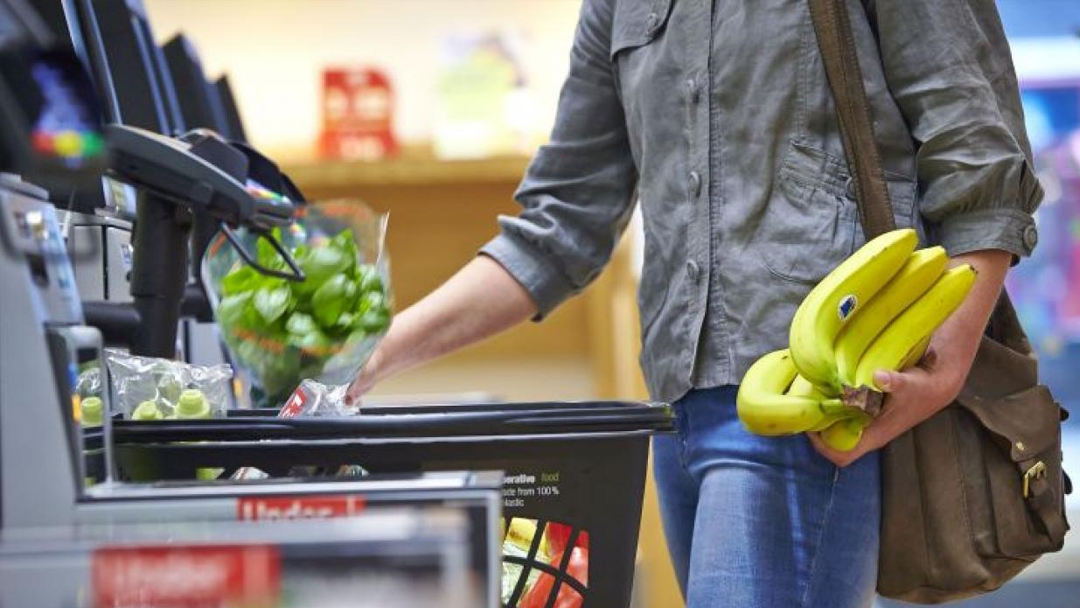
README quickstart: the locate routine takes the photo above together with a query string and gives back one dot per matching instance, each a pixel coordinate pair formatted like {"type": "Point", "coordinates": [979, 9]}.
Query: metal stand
{"type": "Point", "coordinates": [159, 273]}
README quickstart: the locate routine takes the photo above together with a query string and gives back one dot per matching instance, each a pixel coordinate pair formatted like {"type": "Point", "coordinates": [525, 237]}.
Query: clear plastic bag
{"type": "Point", "coordinates": [88, 383]}
{"type": "Point", "coordinates": [324, 328]}
{"type": "Point", "coordinates": [148, 388]}
{"type": "Point", "coordinates": [313, 398]}
{"type": "Point", "coordinates": [88, 386]}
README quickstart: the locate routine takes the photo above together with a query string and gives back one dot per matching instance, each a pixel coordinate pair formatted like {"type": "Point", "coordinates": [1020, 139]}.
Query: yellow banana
{"type": "Point", "coordinates": [763, 406]}
{"type": "Point", "coordinates": [801, 387]}
{"type": "Point", "coordinates": [844, 435]}
{"type": "Point", "coordinates": [916, 276]}
{"type": "Point", "coordinates": [916, 353]}
{"type": "Point", "coordinates": [837, 297]}
{"type": "Point", "coordinates": [907, 334]}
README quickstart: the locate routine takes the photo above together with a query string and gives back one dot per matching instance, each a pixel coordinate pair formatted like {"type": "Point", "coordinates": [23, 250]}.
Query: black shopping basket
{"type": "Point", "coordinates": [572, 493]}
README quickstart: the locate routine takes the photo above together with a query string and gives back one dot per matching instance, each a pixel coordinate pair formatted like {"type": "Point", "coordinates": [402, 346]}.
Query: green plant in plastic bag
{"type": "Point", "coordinates": [322, 328]}
{"type": "Point", "coordinates": [332, 298]}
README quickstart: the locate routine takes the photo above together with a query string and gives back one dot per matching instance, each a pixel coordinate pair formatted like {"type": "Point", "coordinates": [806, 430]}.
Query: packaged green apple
{"type": "Point", "coordinates": [149, 388]}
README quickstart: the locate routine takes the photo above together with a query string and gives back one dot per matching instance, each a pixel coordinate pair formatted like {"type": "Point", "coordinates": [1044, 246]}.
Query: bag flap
{"type": "Point", "coordinates": [1028, 420]}
{"type": "Point", "coordinates": [999, 371]}
{"type": "Point", "coordinates": [1004, 326]}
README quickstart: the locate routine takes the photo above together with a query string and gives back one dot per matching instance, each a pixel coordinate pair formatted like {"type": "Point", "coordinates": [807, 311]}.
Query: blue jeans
{"type": "Point", "coordinates": [763, 522]}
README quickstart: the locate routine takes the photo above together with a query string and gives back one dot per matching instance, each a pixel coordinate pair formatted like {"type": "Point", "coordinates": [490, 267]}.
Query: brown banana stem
{"type": "Point", "coordinates": [864, 398]}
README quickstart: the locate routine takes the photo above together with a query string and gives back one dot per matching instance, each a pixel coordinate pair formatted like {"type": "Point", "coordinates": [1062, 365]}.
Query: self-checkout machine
{"type": "Point", "coordinates": [62, 534]}
{"type": "Point", "coordinates": [199, 108]}
{"type": "Point", "coordinates": [95, 220]}
{"type": "Point", "coordinates": [137, 87]}
{"type": "Point", "coordinates": [114, 42]}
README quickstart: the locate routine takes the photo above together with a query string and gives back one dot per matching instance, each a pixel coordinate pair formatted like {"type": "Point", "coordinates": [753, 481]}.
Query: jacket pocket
{"type": "Point", "coordinates": [636, 23]}
{"type": "Point", "coordinates": [811, 223]}
{"type": "Point", "coordinates": [640, 64]}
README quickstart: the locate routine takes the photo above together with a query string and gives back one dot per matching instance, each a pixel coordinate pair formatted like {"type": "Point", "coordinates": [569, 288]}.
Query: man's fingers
{"type": "Point", "coordinates": [353, 393]}
{"type": "Point", "coordinates": [819, 444]}
{"type": "Point", "coordinates": [888, 381]}
{"type": "Point", "coordinates": [929, 358]}
{"type": "Point", "coordinates": [892, 382]}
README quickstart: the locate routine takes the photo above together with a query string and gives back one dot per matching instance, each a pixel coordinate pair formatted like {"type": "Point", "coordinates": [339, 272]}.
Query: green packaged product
{"type": "Point", "coordinates": [193, 404]}
{"type": "Point", "coordinates": [147, 410]}
{"type": "Point", "coordinates": [92, 411]}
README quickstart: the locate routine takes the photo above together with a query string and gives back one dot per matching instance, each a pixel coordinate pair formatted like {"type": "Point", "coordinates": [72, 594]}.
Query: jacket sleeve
{"type": "Point", "coordinates": [577, 193]}
{"type": "Point", "coordinates": [948, 66]}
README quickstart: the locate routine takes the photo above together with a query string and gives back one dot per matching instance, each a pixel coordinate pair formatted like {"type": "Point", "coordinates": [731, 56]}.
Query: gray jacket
{"type": "Point", "coordinates": [717, 118]}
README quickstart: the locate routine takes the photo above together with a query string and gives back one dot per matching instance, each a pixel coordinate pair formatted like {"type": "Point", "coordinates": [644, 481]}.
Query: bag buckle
{"type": "Point", "coordinates": [1037, 471]}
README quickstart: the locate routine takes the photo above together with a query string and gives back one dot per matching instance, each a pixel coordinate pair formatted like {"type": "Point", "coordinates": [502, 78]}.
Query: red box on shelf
{"type": "Point", "coordinates": [357, 115]}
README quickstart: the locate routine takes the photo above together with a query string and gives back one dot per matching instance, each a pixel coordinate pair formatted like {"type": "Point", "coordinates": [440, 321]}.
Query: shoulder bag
{"type": "Point", "coordinates": [974, 494]}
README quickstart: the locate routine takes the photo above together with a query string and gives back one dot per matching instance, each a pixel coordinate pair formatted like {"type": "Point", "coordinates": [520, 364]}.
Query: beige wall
{"type": "Point", "coordinates": [274, 51]}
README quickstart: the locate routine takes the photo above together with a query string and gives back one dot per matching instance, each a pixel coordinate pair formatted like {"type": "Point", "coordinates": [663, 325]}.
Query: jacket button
{"type": "Point", "coordinates": [692, 270]}
{"type": "Point", "coordinates": [1031, 237]}
{"type": "Point", "coordinates": [851, 188]}
{"type": "Point", "coordinates": [695, 183]}
{"type": "Point", "coordinates": [693, 90]}
{"type": "Point", "coordinates": [652, 22]}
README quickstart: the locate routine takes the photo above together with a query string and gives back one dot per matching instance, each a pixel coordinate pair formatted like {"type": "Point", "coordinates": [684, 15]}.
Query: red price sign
{"type": "Point", "coordinates": [295, 507]}
{"type": "Point", "coordinates": [185, 576]}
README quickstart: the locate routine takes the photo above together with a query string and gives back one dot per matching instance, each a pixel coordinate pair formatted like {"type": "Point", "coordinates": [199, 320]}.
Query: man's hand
{"type": "Point", "coordinates": [365, 380]}
{"type": "Point", "coordinates": [918, 393]}
{"type": "Point", "coordinates": [481, 300]}
{"type": "Point", "coordinates": [912, 396]}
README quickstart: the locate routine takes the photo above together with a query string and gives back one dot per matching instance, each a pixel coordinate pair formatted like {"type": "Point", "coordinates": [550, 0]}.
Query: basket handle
{"type": "Point", "coordinates": [296, 275]}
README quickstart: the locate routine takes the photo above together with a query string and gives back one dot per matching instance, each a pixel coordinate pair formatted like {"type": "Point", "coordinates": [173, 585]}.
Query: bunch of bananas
{"type": "Point", "coordinates": [876, 310]}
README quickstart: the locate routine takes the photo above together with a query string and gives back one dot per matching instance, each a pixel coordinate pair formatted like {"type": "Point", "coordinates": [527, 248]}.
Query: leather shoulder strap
{"type": "Point", "coordinates": [832, 25]}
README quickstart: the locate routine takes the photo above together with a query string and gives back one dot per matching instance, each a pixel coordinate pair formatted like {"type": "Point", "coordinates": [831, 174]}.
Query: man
{"type": "Point", "coordinates": [718, 118]}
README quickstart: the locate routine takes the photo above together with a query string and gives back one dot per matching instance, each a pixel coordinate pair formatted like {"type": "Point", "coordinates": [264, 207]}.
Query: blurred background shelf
{"type": "Point", "coordinates": [416, 165]}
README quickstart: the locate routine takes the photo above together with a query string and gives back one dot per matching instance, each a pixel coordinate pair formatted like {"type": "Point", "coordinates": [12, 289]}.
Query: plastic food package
{"type": "Point", "coordinates": [324, 328]}
{"type": "Point", "coordinates": [88, 384]}
{"type": "Point", "coordinates": [309, 399]}
{"type": "Point", "coordinates": [147, 388]}
{"type": "Point", "coordinates": [88, 387]}
{"type": "Point", "coordinates": [313, 398]}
